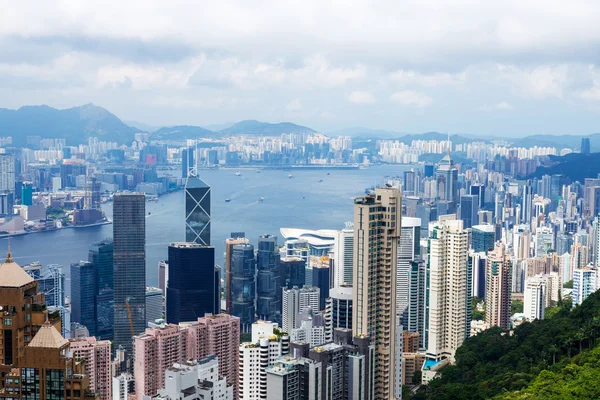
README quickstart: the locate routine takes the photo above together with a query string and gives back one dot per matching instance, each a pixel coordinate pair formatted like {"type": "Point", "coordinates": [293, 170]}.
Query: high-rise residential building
{"type": "Point", "coordinates": [417, 300]}
{"type": "Point", "coordinates": [256, 356]}
{"type": "Point", "coordinates": [269, 280]}
{"type": "Point", "coordinates": [198, 377]}
{"type": "Point", "coordinates": [97, 357]}
{"type": "Point", "coordinates": [469, 206]}
{"type": "Point", "coordinates": [154, 304]}
{"type": "Point", "coordinates": [312, 329]}
{"type": "Point", "coordinates": [129, 260]}
{"type": "Point", "coordinates": [446, 177]}
{"type": "Point", "coordinates": [534, 297]}
{"type": "Point", "coordinates": [409, 250]}
{"type": "Point", "coordinates": [449, 280]}
{"type": "Point", "coordinates": [377, 218]}
{"type": "Point", "coordinates": [343, 255]}
{"type": "Point", "coordinates": [296, 301]}
{"type": "Point", "coordinates": [7, 172]}
{"type": "Point", "coordinates": [585, 282]}
{"type": "Point", "coordinates": [544, 241]}
{"type": "Point", "coordinates": [243, 284]}
{"type": "Point", "coordinates": [229, 243]}
{"type": "Point", "coordinates": [83, 295]}
{"type": "Point", "coordinates": [498, 288]}
{"type": "Point", "coordinates": [197, 211]}
{"type": "Point", "coordinates": [122, 386]}
{"type": "Point", "coordinates": [482, 238]}
{"type": "Point", "coordinates": [193, 284]}
{"type": "Point", "coordinates": [48, 371]}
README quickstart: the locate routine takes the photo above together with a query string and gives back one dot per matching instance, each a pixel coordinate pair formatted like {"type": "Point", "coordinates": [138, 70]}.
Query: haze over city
{"type": "Point", "coordinates": [502, 67]}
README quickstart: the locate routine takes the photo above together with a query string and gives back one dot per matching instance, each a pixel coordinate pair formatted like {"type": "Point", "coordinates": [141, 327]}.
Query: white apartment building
{"type": "Point", "coordinates": [296, 301]}
{"type": "Point", "coordinates": [535, 297]}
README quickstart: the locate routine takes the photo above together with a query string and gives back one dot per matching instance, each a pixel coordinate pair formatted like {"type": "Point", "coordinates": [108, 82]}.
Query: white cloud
{"type": "Point", "coordinates": [502, 106]}
{"type": "Point", "coordinates": [294, 105]}
{"type": "Point", "coordinates": [408, 77]}
{"type": "Point", "coordinates": [361, 97]}
{"type": "Point", "coordinates": [411, 98]}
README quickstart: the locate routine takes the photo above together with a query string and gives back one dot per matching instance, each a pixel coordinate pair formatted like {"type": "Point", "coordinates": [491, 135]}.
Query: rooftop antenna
{"type": "Point", "coordinates": [8, 255]}
{"type": "Point", "coordinates": [449, 143]}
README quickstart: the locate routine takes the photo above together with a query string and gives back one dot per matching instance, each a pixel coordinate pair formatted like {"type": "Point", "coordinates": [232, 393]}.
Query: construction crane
{"type": "Point", "coordinates": [129, 315]}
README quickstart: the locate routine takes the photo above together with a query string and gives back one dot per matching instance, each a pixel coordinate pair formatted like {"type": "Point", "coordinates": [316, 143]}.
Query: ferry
{"type": "Point", "coordinates": [320, 180]}
{"type": "Point", "coordinates": [261, 198]}
{"type": "Point", "coordinates": [290, 176]}
{"type": "Point", "coordinates": [238, 173]}
{"type": "Point", "coordinates": [227, 200]}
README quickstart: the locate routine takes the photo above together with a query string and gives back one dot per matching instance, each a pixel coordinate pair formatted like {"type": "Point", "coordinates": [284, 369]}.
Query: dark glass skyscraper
{"type": "Point", "coordinates": [482, 238]}
{"type": "Point", "coordinates": [468, 209]}
{"type": "Point", "coordinates": [197, 211]}
{"type": "Point", "coordinates": [193, 283]}
{"type": "Point", "coordinates": [295, 271]}
{"type": "Point", "coordinates": [243, 285]}
{"type": "Point", "coordinates": [187, 161]}
{"type": "Point", "coordinates": [83, 293]}
{"type": "Point", "coordinates": [129, 258]}
{"type": "Point", "coordinates": [321, 278]}
{"type": "Point", "coordinates": [585, 145]}
{"type": "Point", "coordinates": [268, 280]}
{"type": "Point", "coordinates": [101, 256]}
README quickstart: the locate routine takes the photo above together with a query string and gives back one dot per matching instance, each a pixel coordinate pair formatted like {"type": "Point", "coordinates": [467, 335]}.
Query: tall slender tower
{"type": "Point", "coordinates": [449, 291]}
{"type": "Point", "coordinates": [197, 211]}
{"type": "Point", "coordinates": [498, 287]}
{"type": "Point", "coordinates": [409, 251]}
{"type": "Point", "coordinates": [129, 258]}
{"type": "Point", "coordinates": [377, 219]}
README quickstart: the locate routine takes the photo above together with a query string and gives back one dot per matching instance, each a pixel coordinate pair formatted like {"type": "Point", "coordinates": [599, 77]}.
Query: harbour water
{"type": "Point", "coordinates": [301, 202]}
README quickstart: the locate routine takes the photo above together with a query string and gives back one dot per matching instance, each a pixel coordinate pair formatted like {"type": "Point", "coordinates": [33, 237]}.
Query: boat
{"type": "Point", "coordinates": [290, 176]}
{"type": "Point", "coordinates": [329, 173]}
{"type": "Point", "coordinates": [227, 200]}
{"type": "Point", "coordinates": [261, 198]}
{"type": "Point", "coordinates": [238, 173]}
{"type": "Point", "coordinates": [362, 167]}
{"type": "Point", "coordinates": [320, 180]}
{"type": "Point", "coordinates": [149, 213]}
{"type": "Point", "coordinates": [258, 171]}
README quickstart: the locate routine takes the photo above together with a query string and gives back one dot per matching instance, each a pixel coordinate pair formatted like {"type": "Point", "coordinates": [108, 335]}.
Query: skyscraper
{"type": "Point", "coordinates": [83, 295]}
{"type": "Point", "coordinates": [197, 211]}
{"type": "Point", "coordinates": [498, 288]}
{"type": "Point", "coordinates": [482, 238]}
{"type": "Point", "coordinates": [243, 285]}
{"type": "Point", "coordinates": [101, 256]}
{"type": "Point", "coordinates": [96, 355]}
{"type": "Point", "coordinates": [446, 177]}
{"type": "Point", "coordinates": [193, 284]}
{"type": "Point", "coordinates": [534, 297]}
{"type": "Point", "coordinates": [296, 301]}
{"type": "Point", "coordinates": [187, 161]}
{"type": "Point", "coordinates": [468, 209]}
{"type": "Point", "coordinates": [7, 173]}
{"type": "Point", "coordinates": [449, 278]}
{"type": "Point", "coordinates": [229, 243]}
{"type": "Point", "coordinates": [269, 281]}
{"type": "Point", "coordinates": [409, 250]}
{"type": "Point", "coordinates": [377, 220]}
{"type": "Point", "coordinates": [129, 258]}
{"type": "Point", "coordinates": [343, 250]}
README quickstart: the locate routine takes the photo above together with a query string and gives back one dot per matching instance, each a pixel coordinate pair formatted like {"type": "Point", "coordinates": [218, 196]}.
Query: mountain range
{"type": "Point", "coordinates": [77, 124]}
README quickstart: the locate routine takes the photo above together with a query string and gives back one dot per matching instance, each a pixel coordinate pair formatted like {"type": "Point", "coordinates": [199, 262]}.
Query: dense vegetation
{"type": "Point", "coordinates": [496, 363]}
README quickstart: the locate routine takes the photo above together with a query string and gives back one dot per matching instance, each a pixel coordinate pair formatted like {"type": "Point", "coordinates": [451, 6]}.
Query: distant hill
{"type": "Point", "coordinates": [252, 127]}
{"type": "Point", "coordinates": [75, 124]}
{"type": "Point", "coordinates": [142, 126]}
{"type": "Point", "coordinates": [570, 141]}
{"type": "Point", "coordinates": [575, 166]}
{"type": "Point", "coordinates": [455, 139]}
{"type": "Point", "coordinates": [182, 132]}
{"type": "Point", "coordinates": [366, 133]}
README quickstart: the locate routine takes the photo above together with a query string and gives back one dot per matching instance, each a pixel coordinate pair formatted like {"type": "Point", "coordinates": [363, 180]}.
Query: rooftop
{"type": "Point", "coordinates": [48, 337]}
{"type": "Point", "coordinates": [12, 275]}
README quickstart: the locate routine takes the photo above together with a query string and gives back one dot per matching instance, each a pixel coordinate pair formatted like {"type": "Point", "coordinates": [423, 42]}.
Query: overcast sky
{"type": "Point", "coordinates": [483, 67]}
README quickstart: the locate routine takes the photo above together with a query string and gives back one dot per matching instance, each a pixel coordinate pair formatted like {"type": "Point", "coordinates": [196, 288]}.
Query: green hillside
{"type": "Point", "coordinates": [495, 364]}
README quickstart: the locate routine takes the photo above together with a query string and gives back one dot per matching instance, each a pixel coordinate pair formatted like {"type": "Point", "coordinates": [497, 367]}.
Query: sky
{"type": "Point", "coordinates": [466, 66]}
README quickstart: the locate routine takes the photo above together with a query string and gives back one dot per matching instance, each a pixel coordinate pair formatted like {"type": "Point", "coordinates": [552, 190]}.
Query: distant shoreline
{"type": "Point", "coordinates": [24, 233]}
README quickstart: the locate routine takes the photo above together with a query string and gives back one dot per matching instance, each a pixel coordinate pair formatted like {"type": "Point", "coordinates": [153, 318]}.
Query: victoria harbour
{"type": "Point", "coordinates": [302, 201]}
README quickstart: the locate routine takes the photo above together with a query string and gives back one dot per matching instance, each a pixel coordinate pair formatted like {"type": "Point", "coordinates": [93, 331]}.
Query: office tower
{"type": "Point", "coordinates": [255, 356]}
{"type": "Point", "coordinates": [193, 283]}
{"type": "Point", "coordinates": [338, 310]}
{"type": "Point", "coordinates": [498, 288]}
{"type": "Point", "coordinates": [596, 241]}
{"type": "Point", "coordinates": [427, 213]}
{"type": "Point", "coordinates": [321, 279]}
{"type": "Point", "coordinates": [156, 350]}
{"type": "Point", "coordinates": [163, 267]}
{"type": "Point", "coordinates": [154, 304]}
{"type": "Point", "coordinates": [221, 336]}
{"type": "Point", "coordinates": [544, 241]}
{"type": "Point", "coordinates": [79, 331]}
{"type": "Point", "coordinates": [243, 285]}
{"type": "Point", "coordinates": [415, 321]}
{"type": "Point", "coordinates": [268, 279]}
{"type": "Point", "coordinates": [295, 271]}
{"type": "Point", "coordinates": [101, 256]}
{"type": "Point", "coordinates": [296, 301]}
{"type": "Point", "coordinates": [409, 250]}
{"type": "Point", "coordinates": [199, 378]}
{"type": "Point", "coordinates": [468, 209]}
{"type": "Point", "coordinates": [449, 278]}
{"type": "Point", "coordinates": [579, 257]}
{"type": "Point", "coordinates": [129, 260]}
{"type": "Point", "coordinates": [585, 145]}
{"type": "Point", "coordinates": [96, 355]}
{"type": "Point", "coordinates": [27, 194]}
{"type": "Point", "coordinates": [229, 243]}
{"type": "Point", "coordinates": [48, 371]}
{"type": "Point", "coordinates": [377, 219]}
{"type": "Point", "coordinates": [83, 295]}
{"type": "Point", "coordinates": [446, 177]}
{"type": "Point", "coordinates": [428, 169]}
{"type": "Point", "coordinates": [197, 211]}
{"type": "Point", "coordinates": [187, 162]}
{"type": "Point", "coordinates": [410, 205]}
{"type": "Point", "coordinates": [343, 249]}
{"type": "Point", "coordinates": [585, 282]}
{"type": "Point", "coordinates": [482, 238]}
{"type": "Point", "coordinates": [478, 264]}
{"type": "Point", "coordinates": [409, 187]}
{"type": "Point", "coordinates": [564, 241]}
{"type": "Point", "coordinates": [534, 297]}
{"type": "Point", "coordinates": [478, 189]}
{"type": "Point", "coordinates": [527, 203]}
